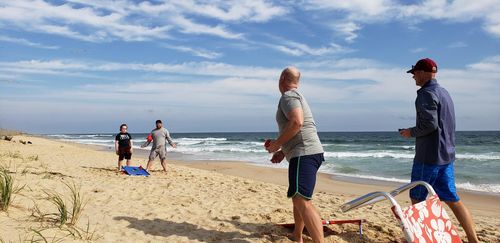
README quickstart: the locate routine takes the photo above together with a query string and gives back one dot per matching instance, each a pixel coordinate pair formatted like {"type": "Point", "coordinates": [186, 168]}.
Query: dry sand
{"type": "Point", "coordinates": [194, 202]}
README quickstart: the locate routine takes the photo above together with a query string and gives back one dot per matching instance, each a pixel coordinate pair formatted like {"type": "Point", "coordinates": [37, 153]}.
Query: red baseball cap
{"type": "Point", "coordinates": [426, 65]}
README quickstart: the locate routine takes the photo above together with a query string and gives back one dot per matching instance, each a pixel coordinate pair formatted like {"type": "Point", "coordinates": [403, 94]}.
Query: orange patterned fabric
{"type": "Point", "coordinates": [429, 222]}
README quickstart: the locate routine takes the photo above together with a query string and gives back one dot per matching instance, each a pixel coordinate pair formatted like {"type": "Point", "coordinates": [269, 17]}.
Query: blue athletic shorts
{"type": "Point", "coordinates": [302, 175]}
{"type": "Point", "coordinates": [440, 177]}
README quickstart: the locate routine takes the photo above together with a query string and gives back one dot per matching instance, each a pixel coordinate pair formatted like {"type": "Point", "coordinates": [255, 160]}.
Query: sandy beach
{"type": "Point", "coordinates": [196, 201]}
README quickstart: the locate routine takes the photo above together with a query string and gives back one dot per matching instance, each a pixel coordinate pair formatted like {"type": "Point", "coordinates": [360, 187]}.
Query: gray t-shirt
{"type": "Point", "coordinates": [159, 136]}
{"type": "Point", "coordinates": [306, 141]}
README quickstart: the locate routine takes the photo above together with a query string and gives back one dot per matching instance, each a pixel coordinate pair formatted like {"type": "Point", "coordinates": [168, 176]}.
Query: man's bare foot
{"type": "Point", "coordinates": [295, 238]}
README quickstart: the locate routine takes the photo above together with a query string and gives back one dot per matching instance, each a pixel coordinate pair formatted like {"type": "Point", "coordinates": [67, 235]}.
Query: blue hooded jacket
{"type": "Point", "coordinates": [435, 128]}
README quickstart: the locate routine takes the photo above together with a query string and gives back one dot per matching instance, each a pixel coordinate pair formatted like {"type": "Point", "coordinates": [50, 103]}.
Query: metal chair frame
{"type": "Point", "coordinates": [374, 197]}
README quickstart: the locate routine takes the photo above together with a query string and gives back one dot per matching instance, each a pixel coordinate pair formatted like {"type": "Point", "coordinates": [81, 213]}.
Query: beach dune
{"type": "Point", "coordinates": [193, 202]}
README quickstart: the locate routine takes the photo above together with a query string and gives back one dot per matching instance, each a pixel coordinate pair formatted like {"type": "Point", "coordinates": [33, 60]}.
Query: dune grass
{"type": "Point", "coordinates": [6, 189]}
{"type": "Point", "coordinates": [68, 213]}
{"type": "Point", "coordinates": [83, 234]}
{"type": "Point", "coordinates": [69, 210]}
{"type": "Point", "coordinates": [58, 201]}
{"type": "Point", "coordinates": [65, 232]}
{"type": "Point", "coordinates": [14, 155]}
{"type": "Point", "coordinates": [38, 233]}
{"type": "Point", "coordinates": [77, 202]}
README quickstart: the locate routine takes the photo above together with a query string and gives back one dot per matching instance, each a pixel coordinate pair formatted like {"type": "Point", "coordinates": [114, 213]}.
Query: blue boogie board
{"type": "Point", "coordinates": [135, 170]}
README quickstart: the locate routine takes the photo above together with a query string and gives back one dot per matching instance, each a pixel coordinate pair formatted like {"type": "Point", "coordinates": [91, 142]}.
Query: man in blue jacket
{"type": "Point", "coordinates": [434, 136]}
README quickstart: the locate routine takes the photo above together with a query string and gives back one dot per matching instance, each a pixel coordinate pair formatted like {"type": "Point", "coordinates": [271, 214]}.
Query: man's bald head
{"type": "Point", "coordinates": [290, 75]}
{"type": "Point", "coordinates": [289, 79]}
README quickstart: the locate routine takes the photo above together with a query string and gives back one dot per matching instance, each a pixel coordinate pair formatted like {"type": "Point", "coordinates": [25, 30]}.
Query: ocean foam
{"type": "Point", "coordinates": [203, 139]}
{"type": "Point", "coordinates": [495, 188]}
{"type": "Point", "coordinates": [219, 149]}
{"type": "Point", "coordinates": [487, 156]}
{"type": "Point", "coordinates": [379, 154]}
{"type": "Point", "coordinates": [489, 188]}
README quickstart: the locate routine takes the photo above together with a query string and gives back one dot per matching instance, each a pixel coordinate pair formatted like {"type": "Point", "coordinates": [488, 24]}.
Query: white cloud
{"type": "Point", "coordinates": [239, 77]}
{"type": "Point", "coordinates": [491, 64]}
{"type": "Point", "coordinates": [231, 92]}
{"type": "Point", "coordinates": [343, 64]}
{"type": "Point", "coordinates": [350, 14]}
{"type": "Point", "coordinates": [492, 23]}
{"type": "Point", "coordinates": [347, 29]}
{"type": "Point", "coordinates": [458, 44]}
{"type": "Point", "coordinates": [418, 50]}
{"type": "Point", "coordinates": [343, 87]}
{"type": "Point", "coordinates": [355, 8]}
{"type": "Point", "coordinates": [191, 27]}
{"type": "Point", "coordinates": [197, 52]}
{"type": "Point", "coordinates": [45, 65]}
{"type": "Point", "coordinates": [8, 78]}
{"type": "Point", "coordinates": [243, 11]}
{"type": "Point", "coordinates": [25, 42]}
{"type": "Point", "coordinates": [106, 20]}
{"type": "Point", "coordinates": [188, 68]}
{"type": "Point", "coordinates": [84, 23]}
{"type": "Point", "coordinates": [487, 11]}
{"type": "Point", "coordinates": [299, 49]}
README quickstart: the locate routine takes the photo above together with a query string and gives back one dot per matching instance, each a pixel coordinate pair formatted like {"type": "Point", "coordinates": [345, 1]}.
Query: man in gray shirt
{"type": "Point", "coordinates": [300, 144]}
{"type": "Point", "coordinates": [160, 138]}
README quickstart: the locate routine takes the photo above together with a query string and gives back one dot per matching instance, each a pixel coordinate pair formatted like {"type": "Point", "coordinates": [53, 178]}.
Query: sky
{"type": "Point", "coordinates": [86, 66]}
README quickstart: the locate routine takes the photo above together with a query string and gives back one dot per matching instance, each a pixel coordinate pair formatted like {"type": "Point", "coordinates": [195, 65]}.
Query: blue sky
{"type": "Point", "coordinates": [212, 66]}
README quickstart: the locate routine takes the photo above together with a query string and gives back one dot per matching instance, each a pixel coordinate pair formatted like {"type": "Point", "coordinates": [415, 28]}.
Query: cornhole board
{"type": "Point", "coordinates": [135, 171]}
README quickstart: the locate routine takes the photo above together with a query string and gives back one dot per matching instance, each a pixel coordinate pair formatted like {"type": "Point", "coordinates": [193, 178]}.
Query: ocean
{"type": "Point", "coordinates": [369, 155]}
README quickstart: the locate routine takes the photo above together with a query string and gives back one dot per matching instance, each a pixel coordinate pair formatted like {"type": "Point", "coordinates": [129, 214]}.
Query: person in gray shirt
{"type": "Point", "coordinates": [299, 143]}
{"type": "Point", "coordinates": [160, 137]}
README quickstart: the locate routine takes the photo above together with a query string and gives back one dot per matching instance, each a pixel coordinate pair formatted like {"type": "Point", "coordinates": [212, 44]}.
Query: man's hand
{"type": "Point", "coordinates": [278, 157]}
{"type": "Point", "coordinates": [272, 146]}
{"type": "Point", "coordinates": [174, 145]}
{"type": "Point", "coordinates": [406, 133]}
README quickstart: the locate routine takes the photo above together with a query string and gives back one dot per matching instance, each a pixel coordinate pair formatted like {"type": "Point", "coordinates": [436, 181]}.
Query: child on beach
{"type": "Point", "coordinates": [123, 146]}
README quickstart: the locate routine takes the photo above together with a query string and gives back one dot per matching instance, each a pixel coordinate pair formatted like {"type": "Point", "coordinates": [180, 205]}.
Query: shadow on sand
{"type": "Point", "coordinates": [100, 169]}
{"type": "Point", "coordinates": [165, 228]}
{"type": "Point", "coordinates": [276, 231]}
{"type": "Point", "coordinates": [266, 231]}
